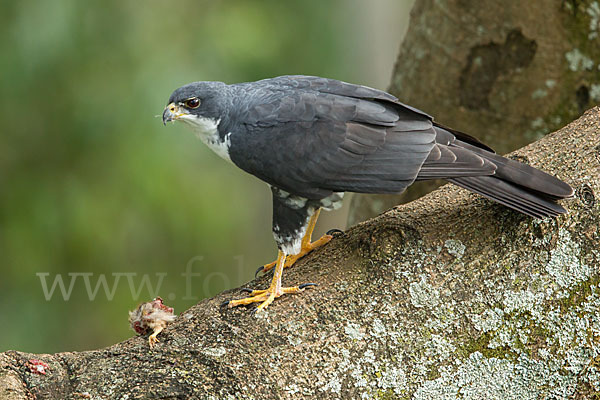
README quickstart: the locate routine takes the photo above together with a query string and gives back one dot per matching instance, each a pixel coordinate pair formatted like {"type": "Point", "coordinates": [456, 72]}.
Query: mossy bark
{"type": "Point", "coordinates": [449, 296]}
{"type": "Point", "coordinates": [507, 72]}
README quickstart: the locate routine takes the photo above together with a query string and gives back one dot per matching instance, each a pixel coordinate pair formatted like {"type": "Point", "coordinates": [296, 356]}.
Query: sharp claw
{"type": "Point", "coordinates": [247, 290]}
{"type": "Point", "coordinates": [306, 285]}
{"type": "Point", "coordinates": [258, 271]}
{"type": "Point", "coordinates": [225, 303]}
{"type": "Point", "coordinates": [334, 232]}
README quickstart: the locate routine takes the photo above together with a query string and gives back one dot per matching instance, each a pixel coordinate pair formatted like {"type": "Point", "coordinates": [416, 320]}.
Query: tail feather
{"type": "Point", "coordinates": [523, 174]}
{"type": "Point", "coordinates": [509, 182]}
{"type": "Point", "coordinates": [511, 195]}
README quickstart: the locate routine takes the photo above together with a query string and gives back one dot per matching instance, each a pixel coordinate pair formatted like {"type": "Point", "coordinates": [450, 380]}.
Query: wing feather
{"type": "Point", "coordinates": [351, 144]}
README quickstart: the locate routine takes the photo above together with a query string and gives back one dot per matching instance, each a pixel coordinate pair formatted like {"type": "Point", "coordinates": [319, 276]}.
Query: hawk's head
{"type": "Point", "coordinates": [198, 104]}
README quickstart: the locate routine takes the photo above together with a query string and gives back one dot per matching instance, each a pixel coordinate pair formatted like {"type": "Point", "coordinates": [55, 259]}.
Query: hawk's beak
{"type": "Point", "coordinates": [172, 112]}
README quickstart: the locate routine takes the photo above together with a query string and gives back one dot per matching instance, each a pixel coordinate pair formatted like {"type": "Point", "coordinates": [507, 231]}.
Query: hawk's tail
{"type": "Point", "coordinates": [511, 195]}
{"type": "Point", "coordinates": [514, 184]}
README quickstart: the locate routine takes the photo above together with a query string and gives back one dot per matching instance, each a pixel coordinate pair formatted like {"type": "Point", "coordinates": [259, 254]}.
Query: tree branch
{"type": "Point", "coordinates": [450, 294]}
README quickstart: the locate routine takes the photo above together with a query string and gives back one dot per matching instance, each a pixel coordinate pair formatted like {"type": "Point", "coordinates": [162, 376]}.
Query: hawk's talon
{"type": "Point", "coordinates": [335, 232]}
{"type": "Point", "coordinates": [260, 269]}
{"type": "Point", "coordinates": [247, 300]}
{"type": "Point", "coordinates": [266, 296]}
{"type": "Point", "coordinates": [305, 285]}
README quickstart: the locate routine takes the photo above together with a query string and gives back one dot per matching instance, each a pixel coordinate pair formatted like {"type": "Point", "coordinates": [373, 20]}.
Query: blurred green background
{"type": "Point", "coordinates": [92, 184]}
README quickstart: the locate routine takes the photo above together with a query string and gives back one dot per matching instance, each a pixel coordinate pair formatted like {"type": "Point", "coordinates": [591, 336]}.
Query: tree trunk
{"type": "Point", "coordinates": [508, 72]}
{"type": "Point", "coordinates": [450, 294]}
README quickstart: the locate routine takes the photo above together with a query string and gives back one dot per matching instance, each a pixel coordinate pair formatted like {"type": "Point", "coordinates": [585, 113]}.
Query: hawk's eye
{"type": "Point", "coordinates": [194, 102]}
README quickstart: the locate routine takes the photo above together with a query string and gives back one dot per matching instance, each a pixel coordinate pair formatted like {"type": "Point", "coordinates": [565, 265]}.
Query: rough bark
{"type": "Point", "coordinates": [450, 295]}
{"type": "Point", "coordinates": [507, 72]}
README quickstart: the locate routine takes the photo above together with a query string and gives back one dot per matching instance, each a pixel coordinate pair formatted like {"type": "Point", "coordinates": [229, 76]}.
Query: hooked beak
{"type": "Point", "coordinates": [172, 112]}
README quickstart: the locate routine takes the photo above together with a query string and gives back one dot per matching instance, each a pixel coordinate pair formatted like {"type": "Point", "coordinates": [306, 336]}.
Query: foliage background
{"type": "Point", "coordinates": [91, 182]}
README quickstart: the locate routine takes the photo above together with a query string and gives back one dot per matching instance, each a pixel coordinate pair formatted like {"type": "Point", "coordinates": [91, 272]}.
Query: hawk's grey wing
{"type": "Point", "coordinates": [340, 88]}
{"type": "Point", "coordinates": [312, 143]}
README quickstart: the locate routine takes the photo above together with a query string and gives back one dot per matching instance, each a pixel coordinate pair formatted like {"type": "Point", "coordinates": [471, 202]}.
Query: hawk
{"type": "Point", "coordinates": [312, 139]}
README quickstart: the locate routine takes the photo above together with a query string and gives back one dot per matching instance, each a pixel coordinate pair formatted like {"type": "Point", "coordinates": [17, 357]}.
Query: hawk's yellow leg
{"type": "Point", "coordinates": [306, 246]}
{"type": "Point", "coordinates": [266, 297]}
